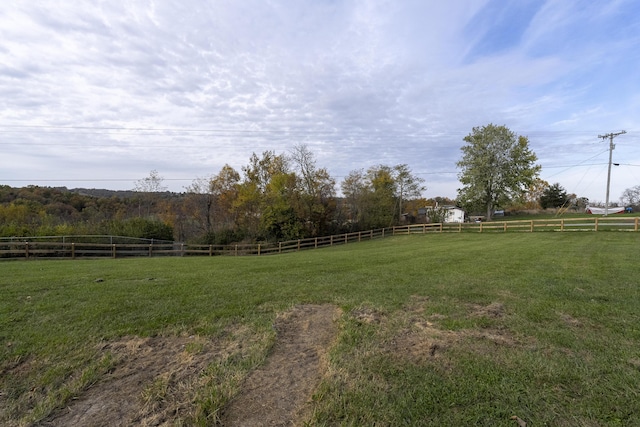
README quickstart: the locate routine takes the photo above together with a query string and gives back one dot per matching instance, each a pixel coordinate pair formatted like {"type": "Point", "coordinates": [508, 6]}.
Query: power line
{"type": "Point", "coordinates": [154, 131]}
{"type": "Point", "coordinates": [582, 163]}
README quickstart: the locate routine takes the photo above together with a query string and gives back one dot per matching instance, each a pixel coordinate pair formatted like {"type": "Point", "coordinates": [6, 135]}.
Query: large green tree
{"type": "Point", "coordinates": [497, 167]}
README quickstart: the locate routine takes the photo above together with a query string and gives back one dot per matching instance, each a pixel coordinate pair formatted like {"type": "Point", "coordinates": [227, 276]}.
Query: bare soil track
{"type": "Point", "coordinates": [278, 393]}
{"type": "Point", "coordinates": [153, 382]}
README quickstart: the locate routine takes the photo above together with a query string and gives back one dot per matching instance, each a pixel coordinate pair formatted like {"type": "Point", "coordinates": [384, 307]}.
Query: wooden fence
{"type": "Point", "coordinates": [15, 249]}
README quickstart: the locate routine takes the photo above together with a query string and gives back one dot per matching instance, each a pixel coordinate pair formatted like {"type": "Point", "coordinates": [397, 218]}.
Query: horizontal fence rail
{"type": "Point", "coordinates": [69, 247]}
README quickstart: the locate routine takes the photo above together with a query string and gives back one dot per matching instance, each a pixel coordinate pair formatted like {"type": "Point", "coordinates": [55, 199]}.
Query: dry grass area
{"type": "Point", "coordinates": [152, 382]}
{"type": "Point", "coordinates": [416, 339]}
{"type": "Point", "coordinates": [422, 339]}
{"type": "Point", "coordinates": [156, 381]}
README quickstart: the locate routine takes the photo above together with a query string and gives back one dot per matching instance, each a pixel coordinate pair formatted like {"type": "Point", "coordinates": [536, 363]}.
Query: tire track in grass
{"type": "Point", "coordinates": [278, 393]}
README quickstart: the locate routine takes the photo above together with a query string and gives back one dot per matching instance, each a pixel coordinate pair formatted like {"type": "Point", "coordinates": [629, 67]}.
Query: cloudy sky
{"type": "Point", "coordinates": [99, 93]}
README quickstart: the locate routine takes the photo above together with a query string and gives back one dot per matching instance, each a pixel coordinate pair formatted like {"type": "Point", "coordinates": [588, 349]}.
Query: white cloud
{"type": "Point", "coordinates": [360, 82]}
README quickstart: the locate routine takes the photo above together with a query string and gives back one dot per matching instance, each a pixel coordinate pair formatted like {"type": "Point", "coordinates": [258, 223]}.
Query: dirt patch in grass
{"type": "Point", "coordinates": [158, 381]}
{"type": "Point", "coordinates": [151, 383]}
{"type": "Point", "coordinates": [368, 315]}
{"type": "Point", "coordinates": [493, 310]}
{"type": "Point", "coordinates": [164, 380]}
{"type": "Point", "coordinates": [421, 338]}
{"type": "Point", "coordinates": [278, 393]}
{"type": "Point", "coordinates": [421, 341]}
{"type": "Point", "coordinates": [570, 320]}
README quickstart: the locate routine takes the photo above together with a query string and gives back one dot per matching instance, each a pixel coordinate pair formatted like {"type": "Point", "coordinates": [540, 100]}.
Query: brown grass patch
{"type": "Point", "coordinates": [154, 381]}
{"type": "Point", "coordinates": [368, 315]}
{"type": "Point", "coordinates": [570, 320]}
{"type": "Point", "coordinates": [420, 338]}
{"type": "Point", "coordinates": [493, 310]}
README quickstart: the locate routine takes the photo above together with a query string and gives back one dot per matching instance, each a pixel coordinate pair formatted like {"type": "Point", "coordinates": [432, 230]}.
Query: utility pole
{"type": "Point", "coordinates": [611, 147]}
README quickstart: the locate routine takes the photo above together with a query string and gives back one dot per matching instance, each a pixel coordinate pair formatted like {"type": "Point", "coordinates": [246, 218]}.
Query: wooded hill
{"type": "Point", "coordinates": [45, 211]}
{"type": "Point", "coordinates": [277, 197]}
{"type": "Point", "coordinates": [191, 217]}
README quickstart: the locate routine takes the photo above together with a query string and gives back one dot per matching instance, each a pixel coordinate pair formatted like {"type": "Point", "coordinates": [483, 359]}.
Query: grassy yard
{"type": "Point", "coordinates": [438, 329]}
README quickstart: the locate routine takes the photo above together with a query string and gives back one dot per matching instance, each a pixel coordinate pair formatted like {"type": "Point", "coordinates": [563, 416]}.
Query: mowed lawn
{"type": "Point", "coordinates": [437, 329]}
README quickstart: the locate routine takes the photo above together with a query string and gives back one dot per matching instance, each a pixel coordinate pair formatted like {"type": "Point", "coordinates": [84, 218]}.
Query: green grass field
{"type": "Point", "coordinates": [438, 329]}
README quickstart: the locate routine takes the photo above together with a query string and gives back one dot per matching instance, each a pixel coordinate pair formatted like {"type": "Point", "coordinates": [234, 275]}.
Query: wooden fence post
{"type": "Point", "coordinates": [279, 247]}
{"type": "Point", "coordinates": [113, 250]}
{"type": "Point", "coordinates": [73, 251]}
{"type": "Point", "coordinates": [258, 248]}
{"type": "Point", "coordinates": [315, 245]}
{"type": "Point", "coordinates": [26, 249]}
{"type": "Point", "coordinates": [210, 250]}
{"type": "Point", "coordinates": [596, 226]}
{"type": "Point", "coordinates": [531, 226]}
{"type": "Point", "coordinates": [635, 227]}
{"type": "Point", "coordinates": [236, 250]}
{"type": "Point", "coordinates": [331, 240]}
{"type": "Point", "coordinates": [150, 250]}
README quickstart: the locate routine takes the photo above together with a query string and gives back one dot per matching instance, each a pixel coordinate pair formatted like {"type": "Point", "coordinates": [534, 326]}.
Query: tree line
{"type": "Point", "coordinates": [288, 196]}
{"type": "Point", "coordinates": [274, 197]}
{"type": "Point", "coordinates": [279, 197]}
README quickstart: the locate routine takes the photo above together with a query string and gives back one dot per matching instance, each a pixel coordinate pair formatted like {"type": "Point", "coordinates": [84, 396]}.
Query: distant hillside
{"type": "Point", "coordinates": [100, 192]}
{"type": "Point", "coordinates": [52, 211]}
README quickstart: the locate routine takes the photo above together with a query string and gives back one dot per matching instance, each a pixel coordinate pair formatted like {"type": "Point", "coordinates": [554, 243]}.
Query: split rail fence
{"type": "Point", "coordinates": [66, 248]}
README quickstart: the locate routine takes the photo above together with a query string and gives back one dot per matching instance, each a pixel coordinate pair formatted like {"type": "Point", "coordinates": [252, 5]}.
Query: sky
{"type": "Point", "coordinates": [97, 94]}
